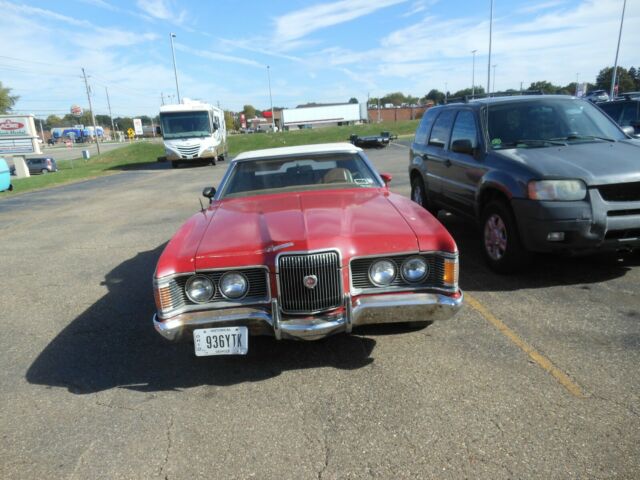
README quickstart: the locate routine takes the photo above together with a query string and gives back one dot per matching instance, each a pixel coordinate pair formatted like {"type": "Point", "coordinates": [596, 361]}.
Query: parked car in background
{"type": "Point", "coordinates": [302, 243]}
{"type": "Point", "coordinates": [624, 111]}
{"type": "Point", "coordinates": [549, 173]}
{"type": "Point", "coordinates": [597, 96]}
{"type": "Point", "coordinates": [372, 141]}
{"type": "Point", "coordinates": [5, 176]}
{"type": "Point", "coordinates": [41, 165]}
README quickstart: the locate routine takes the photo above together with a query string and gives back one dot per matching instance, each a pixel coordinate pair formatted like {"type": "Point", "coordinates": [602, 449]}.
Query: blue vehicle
{"type": "Point", "coordinates": [5, 176]}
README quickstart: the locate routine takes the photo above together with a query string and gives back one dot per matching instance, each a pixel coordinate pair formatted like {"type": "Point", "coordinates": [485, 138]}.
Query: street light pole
{"type": "Point", "coordinates": [489, 60]}
{"type": "Point", "coordinates": [615, 65]}
{"type": "Point", "coordinates": [175, 70]}
{"type": "Point", "coordinates": [113, 128]}
{"type": "Point", "coordinates": [493, 88]}
{"type": "Point", "coordinates": [93, 117]}
{"type": "Point", "coordinates": [273, 121]}
{"type": "Point", "coordinates": [473, 75]}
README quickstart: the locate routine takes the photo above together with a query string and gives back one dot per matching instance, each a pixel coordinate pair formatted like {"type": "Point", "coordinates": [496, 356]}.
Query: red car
{"type": "Point", "coordinates": [302, 243]}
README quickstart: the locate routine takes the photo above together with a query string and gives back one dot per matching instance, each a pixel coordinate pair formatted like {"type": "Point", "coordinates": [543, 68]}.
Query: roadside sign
{"type": "Point", "coordinates": [137, 125]}
{"type": "Point", "coordinates": [131, 133]}
{"type": "Point", "coordinates": [76, 110]}
{"type": "Point", "coordinates": [18, 135]}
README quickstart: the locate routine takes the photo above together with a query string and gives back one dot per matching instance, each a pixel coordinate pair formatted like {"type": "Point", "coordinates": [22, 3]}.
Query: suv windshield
{"type": "Point", "coordinates": [185, 124]}
{"type": "Point", "coordinates": [300, 173]}
{"type": "Point", "coordinates": [548, 122]}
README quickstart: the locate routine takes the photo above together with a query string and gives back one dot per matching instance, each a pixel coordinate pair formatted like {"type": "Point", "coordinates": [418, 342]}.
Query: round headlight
{"type": "Point", "coordinates": [414, 269]}
{"type": "Point", "coordinates": [233, 285]}
{"type": "Point", "coordinates": [382, 272]}
{"type": "Point", "coordinates": [199, 289]}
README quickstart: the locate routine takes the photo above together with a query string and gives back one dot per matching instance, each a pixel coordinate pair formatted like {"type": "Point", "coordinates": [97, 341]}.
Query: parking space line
{"type": "Point", "coordinates": [542, 361]}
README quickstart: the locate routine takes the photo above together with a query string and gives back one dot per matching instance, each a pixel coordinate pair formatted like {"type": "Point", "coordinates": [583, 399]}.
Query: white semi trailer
{"type": "Point", "coordinates": [193, 131]}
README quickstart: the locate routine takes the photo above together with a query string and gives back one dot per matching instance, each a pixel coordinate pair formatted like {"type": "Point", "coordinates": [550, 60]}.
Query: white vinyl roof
{"type": "Point", "coordinates": [319, 148]}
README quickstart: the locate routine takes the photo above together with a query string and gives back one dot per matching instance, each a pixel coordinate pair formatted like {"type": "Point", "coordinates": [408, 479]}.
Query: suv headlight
{"type": "Point", "coordinates": [199, 289]}
{"type": "Point", "coordinates": [564, 190]}
{"type": "Point", "coordinates": [382, 272]}
{"type": "Point", "coordinates": [233, 285]}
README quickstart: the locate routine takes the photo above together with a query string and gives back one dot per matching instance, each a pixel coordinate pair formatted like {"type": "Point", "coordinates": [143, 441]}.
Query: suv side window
{"type": "Point", "coordinates": [465, 128]}
{"type": "Point", "coordinates": [613, 110]}
{"type": "Point", "coordinates": [425, 125]}
{"type": "Point", "coordinates": [440, 132]}
{"type": "Point", "coordinates": [630, 114]}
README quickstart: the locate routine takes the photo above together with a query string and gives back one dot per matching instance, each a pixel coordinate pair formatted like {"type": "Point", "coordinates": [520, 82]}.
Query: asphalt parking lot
{"type": "Point", "coordinates": [536, 378]}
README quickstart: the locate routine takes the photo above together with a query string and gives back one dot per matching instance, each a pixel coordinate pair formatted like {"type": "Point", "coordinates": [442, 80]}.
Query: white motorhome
{"type": "Point", "coordinates": [193, 131]}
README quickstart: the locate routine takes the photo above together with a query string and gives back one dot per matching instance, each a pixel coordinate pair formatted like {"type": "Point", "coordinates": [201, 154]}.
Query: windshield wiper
{"type": "Point", "coordinates": [538, 142]}
{"type": "Point", "coordinates": [585, 137]}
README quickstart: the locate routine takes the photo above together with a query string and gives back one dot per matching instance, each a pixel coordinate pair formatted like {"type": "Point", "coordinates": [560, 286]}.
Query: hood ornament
{"type": "Point", "coordinates": [310, 281]}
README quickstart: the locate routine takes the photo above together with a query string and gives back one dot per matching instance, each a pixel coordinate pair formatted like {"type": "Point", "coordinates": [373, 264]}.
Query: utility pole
{"type": "Point", "coordinates": [493, 89]}
{"type": "Point", "coordinates": [113, 128]}
{"type": "Point", "coordinates": [93, 118]}
{"type": "Point", "coordinates": [175, 70]}
{"type": "Point", "coordinates": [273, 120]}
{"type": "Point", "coordinates": [489, 60]}
{"type": "Point", "coordinates": [446, 92]}
{"type": "Point", "coordinates": [615, 65]}
{"type": "Point", "coordinates": [42, 131]}
{"type": "Point", "coordinates": [473, 75]}
{"type": "Point", "coordinates": [161, 98]}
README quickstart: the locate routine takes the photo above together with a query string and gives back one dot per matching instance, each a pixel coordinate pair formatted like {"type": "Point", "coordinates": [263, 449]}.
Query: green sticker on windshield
{"type": "Point", "coordinates": [496, 141]}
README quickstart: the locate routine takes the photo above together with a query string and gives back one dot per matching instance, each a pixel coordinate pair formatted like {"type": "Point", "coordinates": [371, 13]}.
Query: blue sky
{"type": "Point", "coordinates": [317, 51]}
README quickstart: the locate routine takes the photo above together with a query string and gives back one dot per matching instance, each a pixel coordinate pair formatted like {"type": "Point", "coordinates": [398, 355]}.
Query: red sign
{"type": "Point", "coordinates": [76, 110]}
{"type": "Point", "coordinates": [10, 125]}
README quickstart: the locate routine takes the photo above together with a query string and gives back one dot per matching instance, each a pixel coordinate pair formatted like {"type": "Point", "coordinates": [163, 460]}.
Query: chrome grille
{"type": "Point", "coordinates": [189, 150]}
{"type": "Point", "coordinates": [295, 297]}
{"type": "Point", "coordinates": [360, 273]}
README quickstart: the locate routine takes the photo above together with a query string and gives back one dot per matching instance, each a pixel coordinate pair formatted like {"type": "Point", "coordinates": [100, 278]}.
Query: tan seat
{"type": "Point", "coordinates": [338, 175]}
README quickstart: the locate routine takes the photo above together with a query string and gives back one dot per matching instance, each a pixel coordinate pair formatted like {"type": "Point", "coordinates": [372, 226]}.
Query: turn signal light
{"type": "Point", "coordinates": [450, 272]}
{"type": "Point", "coordinates": [163, 298]}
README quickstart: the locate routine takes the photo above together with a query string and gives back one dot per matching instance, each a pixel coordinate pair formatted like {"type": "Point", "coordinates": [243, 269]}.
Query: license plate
{"type": "Point", "coordinates": [221, 341]}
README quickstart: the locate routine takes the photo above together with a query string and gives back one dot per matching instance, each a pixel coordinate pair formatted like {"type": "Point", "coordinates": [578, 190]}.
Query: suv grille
{"type": "Point", "coordinates": [360, 272]}
{"type": "Point", "coordinates": [621, 192]}
{"type": "Point", "coordinates": [295, 297]}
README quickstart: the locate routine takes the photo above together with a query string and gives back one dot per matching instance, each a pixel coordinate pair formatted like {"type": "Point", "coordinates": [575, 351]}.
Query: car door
{"type": "Point", "coordinates": [420, 151]}
{"type": "Point", "coordinates": [436, 154]}
{"type": "Point", "coordinates": [464, 167]}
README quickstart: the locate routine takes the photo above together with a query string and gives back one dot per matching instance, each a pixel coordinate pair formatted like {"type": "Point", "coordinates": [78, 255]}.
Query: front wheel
{"type": "Point", "coordinates": [502, 248]}
{"type": "Point", "coordinates": [44, 171]}
{"type": "Point", "coordinates": [175, 164]}
{"type": "Point", "coordinates": [419, 195]}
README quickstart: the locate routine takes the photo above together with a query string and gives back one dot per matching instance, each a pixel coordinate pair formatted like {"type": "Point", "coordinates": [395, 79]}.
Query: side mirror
{"type": "Point", "coordinates": [158, 131]}
{"type": "Point", "coordinates": [209, 192]}
{"type": "Point", "coordinates": [628, 130]}
{"type": "Point", "coordinates": [462, 146]}
{"type": "Point", "coordinates": [215, 126]}
{"type": "Point", "coordinates": [386, 178]}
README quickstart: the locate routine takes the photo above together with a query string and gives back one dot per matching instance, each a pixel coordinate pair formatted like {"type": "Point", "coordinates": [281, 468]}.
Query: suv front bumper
{"type": "Point", "coordinates": [364, 310]}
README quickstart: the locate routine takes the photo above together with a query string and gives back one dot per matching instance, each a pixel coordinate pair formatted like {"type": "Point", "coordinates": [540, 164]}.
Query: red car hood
{"type": "Point", "coordinates": [253, 230]}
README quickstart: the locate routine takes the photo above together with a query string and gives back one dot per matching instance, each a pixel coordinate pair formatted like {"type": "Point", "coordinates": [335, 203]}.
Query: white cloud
{"type": "Point", "coordinates": [301, 23]}
{"type": "Point", "coordinates": [162, 10]}
{"type": "Point", "coordinates": [211, 55]}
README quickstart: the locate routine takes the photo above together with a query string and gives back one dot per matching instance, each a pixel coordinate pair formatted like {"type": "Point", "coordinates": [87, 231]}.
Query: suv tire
{"type": "Point", "coordinates": [44, 171]}
{"type": "Point", "coordinates": [501, 245]}
{"type": "Point", "coordinates": [419, 195]}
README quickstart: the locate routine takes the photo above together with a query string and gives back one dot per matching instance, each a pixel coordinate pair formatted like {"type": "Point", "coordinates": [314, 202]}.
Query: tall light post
{"type": "Point", "coordinates": [175, 70]}
{"type": "Point", "coordinates": [473, 75]}
{"type": "Point", "coordinates": [577, 83]}
{"type": "Point", "coordinates": [615, 65]}
{"type": "Point", "coordinates": [489, 60]}
{"type": "Point", "coordinates": [493, 88]}
{"type": "Point", "coordinates": [273, 120]}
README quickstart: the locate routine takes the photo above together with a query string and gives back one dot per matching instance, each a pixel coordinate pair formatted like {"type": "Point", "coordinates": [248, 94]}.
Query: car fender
{"type": "Point", "coordinates": [501, 181]}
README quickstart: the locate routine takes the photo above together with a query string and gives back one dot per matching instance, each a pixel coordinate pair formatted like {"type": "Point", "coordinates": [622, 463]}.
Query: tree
{"type": "Point", "coordinates": [249, 111]}
{"type": "Point", "coordinates": [626, 82]}
{"type": "Point", "coordinates": [395, 98]}
{"type": "Point", "coordinates": [7, 101]}
{"type": "Point", "coordinates": [436, 96]}
{"type": "Point", "coordinates": [230, 121]}
{"type": "Point", "coordinates": [353, 100]}
{"type": "Point", "coordinates": [467, 91]}
{"type": "Point", "coordinates": [105, 120]}
{"type": "Point", "coordinates": [544, 87]}
{"type": "Point", "coordinates": [52, 121]}
{"type": "Point", "coordinates": [123, 123]}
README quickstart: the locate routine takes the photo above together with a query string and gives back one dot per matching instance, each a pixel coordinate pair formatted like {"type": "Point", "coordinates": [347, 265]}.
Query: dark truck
{"type": "Point", "coordinates": [544, 173]}
{"type": "Point", "coordinates": [372, 141]}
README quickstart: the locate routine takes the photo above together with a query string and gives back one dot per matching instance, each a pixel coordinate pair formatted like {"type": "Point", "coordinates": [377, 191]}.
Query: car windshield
{"type": "Point", "coordinates": [299, 173]}
{"type": "Point", "coordinates": [185, 124]}
{"type": "Point", "coordinates": [548, 122]}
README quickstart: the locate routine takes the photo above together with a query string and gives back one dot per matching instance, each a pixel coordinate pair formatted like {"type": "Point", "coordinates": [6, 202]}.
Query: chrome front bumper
{"type": "Point", "coordinates": [364, 310]}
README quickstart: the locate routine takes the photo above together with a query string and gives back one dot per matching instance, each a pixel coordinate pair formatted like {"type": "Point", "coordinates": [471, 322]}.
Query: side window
{"type": "Point", "coordinates": [465, 128]}
{"type": "Point", "coordinates": [440, 132]}
{"type": "Point", "coordinates": [630, 114]}
{"type": "Point", "coordinates": [425, 125]}
{"type": "Point", "coordinates": [613, 110]}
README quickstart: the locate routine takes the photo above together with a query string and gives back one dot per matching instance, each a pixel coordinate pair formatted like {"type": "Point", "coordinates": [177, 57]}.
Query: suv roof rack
{"type": "Point", "coordinates": [467, 98]}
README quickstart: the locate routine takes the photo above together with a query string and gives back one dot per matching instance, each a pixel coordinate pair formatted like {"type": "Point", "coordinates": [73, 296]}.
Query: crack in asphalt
{"type": "Point", "coordinates": [168, 450]}
{"type": "Point", "coordinates": [326, 454]}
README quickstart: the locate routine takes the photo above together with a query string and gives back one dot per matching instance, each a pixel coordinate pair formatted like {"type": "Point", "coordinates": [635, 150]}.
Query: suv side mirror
{"type": "Point", "coordinates": [462, 146]}
{"type": "Point", "coordinates": [628, 130]}
{"type": "Point", "coordinates": [386, 178]}
{"type": "Point", "coordinates": [209, 192]}
{"type": "Point", "coordinates": [215, 126]}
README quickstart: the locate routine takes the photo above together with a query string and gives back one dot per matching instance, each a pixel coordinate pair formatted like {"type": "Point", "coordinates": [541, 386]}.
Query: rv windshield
{"type": "Point", "coordinates": [185, 124]}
